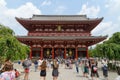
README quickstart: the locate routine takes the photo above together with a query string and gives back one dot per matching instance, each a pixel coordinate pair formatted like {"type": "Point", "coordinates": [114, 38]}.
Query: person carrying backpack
{"type": "Point", "coordinates": [94, 70]}
{"type": "Point", "coordinates": [105, 69]}
{"type": "Point", "coordinates": [26, 65]}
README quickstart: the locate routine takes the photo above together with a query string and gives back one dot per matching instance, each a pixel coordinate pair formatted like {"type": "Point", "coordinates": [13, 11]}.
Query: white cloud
{"type": "Point", "coordinates": [110, 25]}
{"type": "Point", "coordinates": [106, 28]}
{"type": "Point", "coordinates": [46, 3]}
{"type": "Point", "coordinates": [60, 9]}
{"type": "Point", "coordinates": [112, 13]}
{"type": "Point", "coordinates": [113, 5]}
{"type": "Point", "coordinates": [101, 28]}
{"type": "Point", "coordinates": [106, 5]}
{"type": "Point", "coordinates": [2, 3]}
{"type": "Point", "coordinates": [26, 10]}
{"type": "Point", "coordinates": [7, 16]}
{"type": "Point", "coordinates": [91, 11]}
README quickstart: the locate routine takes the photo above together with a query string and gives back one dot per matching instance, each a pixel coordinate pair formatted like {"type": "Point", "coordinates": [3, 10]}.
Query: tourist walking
{"type": "Point", "coordinates": [36, 65]}
{"type": "Point", "coordinates": [8, 72]}
{"type": "Point", "coordinates": [94, 71]}
{"type": "Point", "coordinates": [86, 70]}
{"type": "Point", "coordinates": [77, 65]}
{"type": "Point", "coordinates": [82, 64]}
{"type": "Point", "coordinates": [42, 68]}
{"type": "Point", "coordinates": [105, 72]}
{"type": "Point", "coordinates": [26, 65]}
{"type": "Point", "coordinates": [105, 69]}
{"type": "Point", "coordinates": [55, 72]}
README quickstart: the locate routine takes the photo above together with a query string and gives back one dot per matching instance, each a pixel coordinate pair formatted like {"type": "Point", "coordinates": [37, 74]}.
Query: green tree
{"type": "Point", "coordinates": [110, 48]}
{"type": "Point", "coordinates": [114, 39]}
{"type": "Point", "coordinates": [10, 47]}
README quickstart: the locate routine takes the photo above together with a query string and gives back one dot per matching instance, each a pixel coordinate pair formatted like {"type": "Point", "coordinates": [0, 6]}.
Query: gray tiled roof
{"type": "Point", "coordinates": [59, 17]}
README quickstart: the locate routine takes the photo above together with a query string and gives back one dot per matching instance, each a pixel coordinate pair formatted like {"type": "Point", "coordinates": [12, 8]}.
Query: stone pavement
{"type": "Point", "coordinates": [65, 74]}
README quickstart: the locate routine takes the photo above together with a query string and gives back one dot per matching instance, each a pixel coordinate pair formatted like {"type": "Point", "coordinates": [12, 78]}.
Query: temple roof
{"type": "Point", "coordinates": [88, 41]}
{"type": "Point", "coordinates": [42, 20]}
{"type": "Point", "coordinates": [60, 18]}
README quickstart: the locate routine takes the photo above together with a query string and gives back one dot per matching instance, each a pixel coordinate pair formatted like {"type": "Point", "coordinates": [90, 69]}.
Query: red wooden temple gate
{"type": "Point", "coordinates": [65, 36]}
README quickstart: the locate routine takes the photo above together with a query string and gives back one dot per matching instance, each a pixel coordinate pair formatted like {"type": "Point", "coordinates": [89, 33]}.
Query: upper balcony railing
{"type": "Point", "coordinates": [59, 34]}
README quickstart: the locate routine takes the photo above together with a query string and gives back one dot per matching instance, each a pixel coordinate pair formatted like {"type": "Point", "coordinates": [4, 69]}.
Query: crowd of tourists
{"type": "Point", "coordinates": [9, 73]}
{"type": "Point", "coordinates": [89, 68]}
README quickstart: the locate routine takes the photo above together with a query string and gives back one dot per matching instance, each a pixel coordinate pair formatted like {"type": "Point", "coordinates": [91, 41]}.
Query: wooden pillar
{"type": "Point", "coordinates": [52, 52]}
{"type": "Point", "coordinates": [76, 52]}
{"type": "Point", "coordinates": [30, 52]}
{"type": "Point", "coordinates": [41, 55]}
{"type": "Point", "coordinates": [65, 52]}
{"type": "Point", "coordinates": [87, 55]}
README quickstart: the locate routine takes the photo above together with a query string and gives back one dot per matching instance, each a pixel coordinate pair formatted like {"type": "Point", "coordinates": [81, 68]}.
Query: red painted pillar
{"type": "Point", "coordinates": [52, 53]}
{"type": "Point", "coordinates": [76, 54]}
{"type": "Point", "coordinates": [30, 52]}
{"type": "Point", "coordinates": [65, 52]}
{"type": "Point", "coordinates": [41, 55]}
{"type": "Point", "coordinates": [87, 55]}
{"type": "Point", "coordinates": [40, 52]}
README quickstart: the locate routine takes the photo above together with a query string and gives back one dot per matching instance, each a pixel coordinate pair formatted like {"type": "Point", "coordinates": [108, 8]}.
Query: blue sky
{"type": "Point", "coordinates": [109, 9]}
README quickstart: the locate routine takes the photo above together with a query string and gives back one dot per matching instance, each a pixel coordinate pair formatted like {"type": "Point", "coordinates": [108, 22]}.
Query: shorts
{"type": "Point", "coordinates": [26, 70]}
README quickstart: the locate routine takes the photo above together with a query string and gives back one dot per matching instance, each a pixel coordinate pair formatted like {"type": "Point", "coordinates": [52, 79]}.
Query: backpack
{"type": "Point", "coordinates": [27, 63]}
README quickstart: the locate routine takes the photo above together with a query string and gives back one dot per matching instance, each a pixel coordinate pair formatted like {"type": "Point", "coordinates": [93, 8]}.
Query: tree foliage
{"type": "Point", "coordinates": [10, 47]}
{"type": "Point", "coordinates": [108, 49]}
